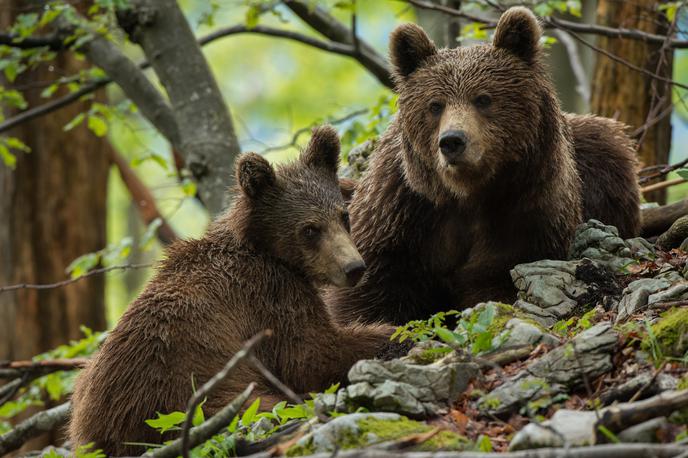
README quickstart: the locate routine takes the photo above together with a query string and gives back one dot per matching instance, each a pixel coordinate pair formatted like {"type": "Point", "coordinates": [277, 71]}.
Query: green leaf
{"type": "Point", "coordinates": [53, 385]}
{"type": "Point", "coordinates": [250, 413]}
{"type": "Point", "coordinates": [148, 236]}
{"type": "Point", "coordinates": [446, 335]}
{"type": "Point", "coordinates": [199, 416]}
{"type": "Point", "coordinates": [683, 173]}
{"type": "Point", "coordinates": [189, 187]}
{"type": "Point", "coordinates": [252, 16]}
{"type": "Point", "coordinates": [78, 119]}
{"type": "Point", "coordinates": [167, 422]}
{"type": "Point", "coordinates": [97, 125]}
{"type": "Point", "coordinates": [8, 158]}
{"type": "Point", "coordinates": [83, 264]}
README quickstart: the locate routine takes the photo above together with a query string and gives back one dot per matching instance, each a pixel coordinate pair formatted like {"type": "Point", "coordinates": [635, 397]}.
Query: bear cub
{"type": "Point", "coordinates": [259, 266]}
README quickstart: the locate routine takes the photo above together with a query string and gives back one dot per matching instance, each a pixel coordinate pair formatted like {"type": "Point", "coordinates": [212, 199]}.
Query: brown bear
{"type": "Point", "coordinates": [479, 171]}
{"type": "Point", "coordinates": [259, 266]}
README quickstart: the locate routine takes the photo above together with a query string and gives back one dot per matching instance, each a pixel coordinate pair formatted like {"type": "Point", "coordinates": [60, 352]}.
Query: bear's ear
{"type": "Point", "coordinates": [519, 32]}
{"type": "Point", "coordinates": [254, 174]}
{"type": "Point", "coordinates": [323, 149]}
{"type": "Point", "coordinates": [409, 48]}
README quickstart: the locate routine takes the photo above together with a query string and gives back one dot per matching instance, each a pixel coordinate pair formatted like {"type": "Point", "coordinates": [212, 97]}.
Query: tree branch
{"type": "Point", "coordinates": [38, 424]}
{"type": "Point", "coordinates": [54, 42]}
{"type": "Point", "coordinates": [68, 281]}
{"type": "Point", "coordinates": [206, 132]}
{"type": "Point", "coordinates": [552, 22]}
{"type": "Point", "coordinates": [143, 199]}
{"type": "Point", "coordinates": [331, 28]}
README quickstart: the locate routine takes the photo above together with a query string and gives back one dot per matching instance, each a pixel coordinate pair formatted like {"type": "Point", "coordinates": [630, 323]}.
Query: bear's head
{"type": "Point", "coordinates": [469, 114]}
{"type": "Point", "coordinates": [297, 213]}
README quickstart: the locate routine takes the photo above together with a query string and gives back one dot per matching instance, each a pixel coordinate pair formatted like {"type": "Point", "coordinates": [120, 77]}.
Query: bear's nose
{"type": "Point", "coordinates": [354, 271]}
{"type": "Point", "coordinates": [452, 144]}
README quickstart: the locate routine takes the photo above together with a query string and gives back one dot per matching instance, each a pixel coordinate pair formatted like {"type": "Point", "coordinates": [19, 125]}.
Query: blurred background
{"type": "Point", "coordinates": [93, 188]}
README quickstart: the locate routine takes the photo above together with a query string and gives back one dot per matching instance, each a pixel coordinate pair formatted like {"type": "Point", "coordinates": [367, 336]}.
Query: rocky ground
{"type": "Point", "coordinates": [594, 351]}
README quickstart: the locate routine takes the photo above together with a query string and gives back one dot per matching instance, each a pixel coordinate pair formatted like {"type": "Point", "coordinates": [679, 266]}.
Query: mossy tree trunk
{"type": "Point", "coordinates": [628, 95]}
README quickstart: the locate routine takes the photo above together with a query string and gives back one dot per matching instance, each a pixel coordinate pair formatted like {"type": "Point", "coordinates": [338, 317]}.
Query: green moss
{"type": "Point", "coordinates": [683, 383]}
{"type": "Point", "coordinates": [669, 335]}
{"type": "Point", "coordinates": [374, 430]}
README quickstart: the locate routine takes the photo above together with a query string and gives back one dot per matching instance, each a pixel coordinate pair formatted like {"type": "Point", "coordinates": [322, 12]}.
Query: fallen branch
{"type": "Point", "coordinates": [68, 281]}
{"type": "Point", "coordinates": [658, 219]}
{"type": "Point", "coordinates": [206, 430]}
{"type": "Point", "coordinates": [621, 416]}
{"type": "Point", "coordinates": [38, 424]}
{"type": "Point", "coordinates": [15, 369]}
{"type": "Point", "coordinates": [675, 235]}
{"type": "Point", "coordinates": [598, 451]}
{"type": "Point", "coordinates": [662, 185]}
{"type": "Point", "coordinates": [185, 441]}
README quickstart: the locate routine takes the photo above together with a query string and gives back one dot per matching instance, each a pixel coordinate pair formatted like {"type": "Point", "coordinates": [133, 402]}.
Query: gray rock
{"type": "Point", "coordinates": [545, 317]}
{"type": "Point", "coordinates": [550, 285]}
{"type": "Point", "coordinates": [520, 332]}
{"type": "Point", "coordinates": [586, 355]}
{"type": "Point", "coordinates": [517, 392]}
{"type": "Point", "coordinates": [357, 160]}
{"type": "Point", "coordinates": [573, 428]}
{"type": "Point", "coordinates": [600, 242]}
{"type": "Point", "coordinates": [646, 432]}
{"type": "Point", "coordinates": [440, 381]}
{"type": "Point", "coordinates": [638, 295]}
{"type": "Point", "coordinates": [326, 438]}
{"type": "Point", "coordinates": [535, 435]}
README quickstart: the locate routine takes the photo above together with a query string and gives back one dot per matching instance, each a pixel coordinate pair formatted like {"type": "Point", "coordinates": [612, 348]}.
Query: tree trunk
{"type": "Point", "coordinates": [53, 210]}
{"type": "Point", "coordinates": [630, 96]}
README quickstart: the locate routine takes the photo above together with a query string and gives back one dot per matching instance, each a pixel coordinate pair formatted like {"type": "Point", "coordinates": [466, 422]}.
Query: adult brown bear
{"type": "Point", "coordinates": [479, 171]}
{"type": "Point", "coordinates": [257, 267]}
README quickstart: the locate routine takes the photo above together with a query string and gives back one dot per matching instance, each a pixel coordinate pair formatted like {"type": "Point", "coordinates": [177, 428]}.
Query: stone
{"type": "Point", "coordinates": [545, 317]}
{"type": "Point", "coordinates": [595, 240]}
{"type": "Point", "coordinates": [566, 428]}
{"type": "Point", "coordinates": [517, 392]}
{"type": "Point", "coordinates": [521, 332]}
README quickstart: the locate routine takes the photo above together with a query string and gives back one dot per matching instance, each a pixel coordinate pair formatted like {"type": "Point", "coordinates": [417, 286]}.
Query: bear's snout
{"type": "Point", "coordinates": [452, 145]}
{"type": "Point", "coordinates": [354, 272]}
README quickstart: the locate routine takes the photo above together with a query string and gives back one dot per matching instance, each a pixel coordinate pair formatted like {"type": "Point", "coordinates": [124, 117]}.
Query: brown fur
{"type": "Point", "coordinates": [254, 269]}
{"type": "Point", "coordinates": [437, 236]}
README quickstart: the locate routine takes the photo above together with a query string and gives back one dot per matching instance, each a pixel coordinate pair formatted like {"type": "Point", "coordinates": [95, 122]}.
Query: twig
{"type": "Point", "coordinates": [14, 369]}
{"type": "Point", "coordinates": [205, 431]}
{"type": "Point", "coordinates": [208, 386]}
{"type": "Point", "coordinates": [8, 390]}
{"type": "Point", "coordinates": [295, 137]}
{"type": "Point", "coordinates": [552, 22]}
{"type": "Point", "coordinates": [662, 170]}
{"type": "Point", "coordinates": [277, 383]}
{"type": "Point", "coordinates": [38, 424]}
{"type": "Point", "coordinates": [647, 385]}
{"type": "Point", "coordinates": [624, 415]}
{"type": "Point", "coordinates": [662, 185]}
{"type": "Point", "coordinates": [68, 281]}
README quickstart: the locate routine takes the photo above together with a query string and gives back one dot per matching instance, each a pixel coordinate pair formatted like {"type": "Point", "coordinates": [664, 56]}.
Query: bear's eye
{"type": "Point", "coordinates": [436, 108]}
{"type": "Point", "coordinates": [346, 222]}
{"type": "Point", "coordinates": [311, 232]}
{"type": "Point", "coordinates": [482, 101]}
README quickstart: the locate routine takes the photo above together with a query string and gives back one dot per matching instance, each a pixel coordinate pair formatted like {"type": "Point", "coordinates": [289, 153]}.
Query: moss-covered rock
{"type": "Point", "coordinates": [363, 430]}
{"type": "Point", "coordinates": [669, 334]}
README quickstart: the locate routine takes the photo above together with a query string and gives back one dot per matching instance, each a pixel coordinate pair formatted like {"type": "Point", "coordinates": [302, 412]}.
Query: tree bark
{"type": "Point", "coordinates": [53, 210]}
{"type": "Point", "coordinates": [630, 96]}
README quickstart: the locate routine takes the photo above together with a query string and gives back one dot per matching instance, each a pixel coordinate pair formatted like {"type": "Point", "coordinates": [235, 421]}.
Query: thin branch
{"type": "Point", "coordinates": [55, 42]}
{"type": "Point", "coordinates": [209, 386]}
{"type": "Point", "coordinates": [662, 185]}
{"type": "Point", "coordinates": [330, 27]}
{"type": "Point", "coordinates": [277, 383]}
{"type": "Point", "coordinates": [552, 22]}
{"type": "Point", "coordinates": [295, 137]}
{"type": "Point", "coordinates": [68, 281]}
{"type": "Point", "coordinates": [15, 369]}
{"type": "Point", "coordinates": [582, 84]}
{"type": "Point", "coordinates": [38, 424]}
{"type": "Point", "coordinates": [205, 431]}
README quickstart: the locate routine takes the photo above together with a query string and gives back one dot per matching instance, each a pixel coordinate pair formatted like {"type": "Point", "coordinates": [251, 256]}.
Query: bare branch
{"type": "Point", "coordinates": [552, 22]}
{"type": "Point", "coordinates": [330, 27]}
{"type": "Point", "coordinates": [277, 383]}
{"type": "Point", "coordinates": [54, 42]}
{"type": "Point", "coordinates": [68, 281]}
{"type": "Point", "coordinates": [40, 423]}
{"type": "Point", "coordinates": [15, 369]}
{"type": "Point", "coordinates": [209, 386]}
